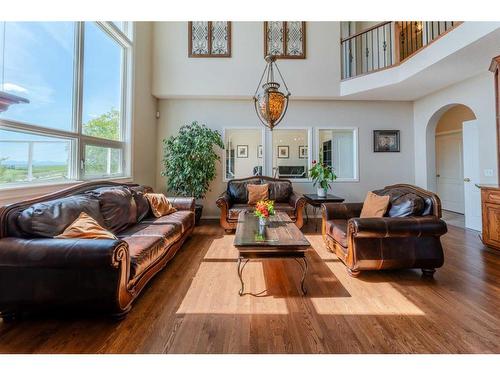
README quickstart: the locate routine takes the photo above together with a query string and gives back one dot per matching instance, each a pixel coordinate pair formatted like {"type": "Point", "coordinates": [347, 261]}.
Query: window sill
{"type": "Point", "coordinates": [13, 194]}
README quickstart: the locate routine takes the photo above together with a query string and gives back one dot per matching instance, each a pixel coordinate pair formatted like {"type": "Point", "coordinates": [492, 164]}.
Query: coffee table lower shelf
{"type": "Point", "coordinates": [280, 239]}
{"type": "Point", "coordinates": [299, 257]}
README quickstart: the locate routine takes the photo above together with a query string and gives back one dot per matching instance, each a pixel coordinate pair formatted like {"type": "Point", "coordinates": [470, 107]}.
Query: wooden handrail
{"type": "Point", "coordinates": [365, 31]}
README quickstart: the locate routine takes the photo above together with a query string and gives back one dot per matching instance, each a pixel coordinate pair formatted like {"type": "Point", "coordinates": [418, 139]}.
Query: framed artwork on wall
{"type": "Point", "coordinates": [283, 152]}
{"type": "Point", "coordinates": [285, 39]}
{"type": "Point", "coordinates": [259, 151]}
{"type": "Point", "coordinates": [302, 152]}
{"type": "Point", "coordinates": [209, 39]}
{"type": "Point", "coordinates": [242, 151]}
{"type": "Point", "coordinates": [386, 141]}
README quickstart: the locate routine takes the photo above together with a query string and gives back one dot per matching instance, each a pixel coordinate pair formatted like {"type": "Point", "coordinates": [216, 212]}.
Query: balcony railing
{"type": "Point", "coordinates": [387, 44]}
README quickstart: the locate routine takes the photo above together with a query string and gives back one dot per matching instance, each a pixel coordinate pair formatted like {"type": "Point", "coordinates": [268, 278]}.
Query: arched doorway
{"type": "Point", "coordinates": [446, 162]}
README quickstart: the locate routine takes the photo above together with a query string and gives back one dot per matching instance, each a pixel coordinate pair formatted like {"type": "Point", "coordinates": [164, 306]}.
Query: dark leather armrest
{"type": "Point", "coordinates": [61, 253]}
{"type": "Point", "coordinates": [182, 203]}
{"type": "Point", "coordinates": [224, 200]}
{"type": "Point", "coordinates": [297, 201]}
{"type": "Point", "coordinates": [341, 211]}
{"type": "Point", "coordinates": [390, 227]}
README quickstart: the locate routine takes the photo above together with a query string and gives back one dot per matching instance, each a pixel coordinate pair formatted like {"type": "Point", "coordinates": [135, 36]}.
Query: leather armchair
{"type": "Point", "coordinates": [410, 241]}
{"type": "Point", "coordinates": [234, 200]}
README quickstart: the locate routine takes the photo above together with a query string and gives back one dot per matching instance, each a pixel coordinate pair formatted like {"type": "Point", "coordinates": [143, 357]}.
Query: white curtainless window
{"type": "Point", "coordinates": [67, 89]}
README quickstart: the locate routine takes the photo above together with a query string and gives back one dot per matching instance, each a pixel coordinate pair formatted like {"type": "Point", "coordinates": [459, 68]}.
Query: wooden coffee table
{"type": "Point", "coordinates": [280, 239]}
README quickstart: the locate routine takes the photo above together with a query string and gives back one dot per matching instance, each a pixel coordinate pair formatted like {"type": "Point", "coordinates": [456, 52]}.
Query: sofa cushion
{"type": "Point", "coordinates": [403, 203]}
{"type": "Point", "coordinates": [160, 205]}
{"type": "Point", "coordinates": [183, 219]}
{"type": "Point", "coordinates": [86, 227]}
{"type": "Point", "coordinates": [236, 209]}
{"type": "Point", "coordinates": [237, 190]}
{"type": "Point", "coordinates": [280, 191]}
{"type": "Point", "coordinates": [170, 232]}
{"type": "Point", "coordinates": [374, 205]}
{"type": "Point", "coordinates": [257, 193]}
{"type": "Point", "coordinates": [144, 251]}
{"type": "Point", "coordinates": [51, 218]}
{"type": "Point", "coordinates": [142, 204]}
{"type": "Point", "coordinates": [117, 207]}
{"type": "Point", "coordinates": [337, 229]}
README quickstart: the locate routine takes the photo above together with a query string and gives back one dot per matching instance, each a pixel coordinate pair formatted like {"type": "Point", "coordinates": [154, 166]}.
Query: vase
{"type": "Point", "coordinates": [322, 192]}
{"type": "Point", "coordinates": [262, 221]}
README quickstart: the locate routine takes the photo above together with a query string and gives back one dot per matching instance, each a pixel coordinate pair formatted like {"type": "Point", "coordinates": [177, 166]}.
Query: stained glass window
{"type": "Point", "coordinates": [210, 39]}
{"type": "Point", "coordinates": [285, 39]}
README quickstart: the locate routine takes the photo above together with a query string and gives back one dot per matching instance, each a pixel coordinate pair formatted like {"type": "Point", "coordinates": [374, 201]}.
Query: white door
{"type": "Point", "coordinates": [471, 175]}
{"type": "Point", "coordinates": [449, 171]}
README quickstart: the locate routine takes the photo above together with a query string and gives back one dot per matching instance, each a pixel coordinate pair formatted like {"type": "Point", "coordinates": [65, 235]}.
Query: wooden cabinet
{"type": "Point", "coordinates": [490, 201]}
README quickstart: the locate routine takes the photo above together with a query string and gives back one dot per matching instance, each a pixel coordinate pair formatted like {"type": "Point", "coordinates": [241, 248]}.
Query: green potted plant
{"type": "Point", "coordinates": [322, 176]}
{"type": "Point", "coordinates": [189, 161]}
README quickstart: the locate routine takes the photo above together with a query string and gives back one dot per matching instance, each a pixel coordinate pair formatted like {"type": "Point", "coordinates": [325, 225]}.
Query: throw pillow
{"type": "Point", "coordinates": [160, 205]}
{"type": "Point", "coordinates": [86, 226]}
{"type": "Point", "coordinates": [257, 193]}
{"type": "Point", "coordinates": [374, 205]}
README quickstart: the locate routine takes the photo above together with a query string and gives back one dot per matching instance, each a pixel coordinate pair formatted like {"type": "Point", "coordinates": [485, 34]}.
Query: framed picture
{"type": "Point", "coordinates": [386, 141]}
{"type": "Point", "coordinates": [283, 152]}
{"type": "Point", "coordinates": [302, 152]}
{"type": "Point", "coordinates": [259, 151]}
{"type": "Point", "coordinates": [242, 151]}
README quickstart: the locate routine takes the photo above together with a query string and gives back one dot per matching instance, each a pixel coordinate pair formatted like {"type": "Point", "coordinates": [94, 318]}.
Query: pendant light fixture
{"type": "Point", "coordinates": [270, 103]}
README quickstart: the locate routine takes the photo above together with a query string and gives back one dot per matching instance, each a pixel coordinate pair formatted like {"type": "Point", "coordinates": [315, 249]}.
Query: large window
{"type": "Point", "coordinates": [75, 76]}
{"type": "Point", "coordinates": [290, 153]}
{"type": "Point", "coordinates": [337, 147]}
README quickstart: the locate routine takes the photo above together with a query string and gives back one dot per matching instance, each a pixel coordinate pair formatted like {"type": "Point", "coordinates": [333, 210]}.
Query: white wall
{"type": "Point", "coordinates": [176, 75]}
{"type": "Point", "coordinates": [478, 94]}
{"type": "Point", "coordinates": [376, 169]}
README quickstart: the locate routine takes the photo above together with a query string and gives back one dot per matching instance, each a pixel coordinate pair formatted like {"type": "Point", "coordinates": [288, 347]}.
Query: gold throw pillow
{"type": "Point", "coordinates": [86, 226]}
{"type": "Point", "coordinates": [160, 205]}
{"type": "Point", "coordinates": [374, 205]}
{"type": "Point", "coordinates": [257, 193]}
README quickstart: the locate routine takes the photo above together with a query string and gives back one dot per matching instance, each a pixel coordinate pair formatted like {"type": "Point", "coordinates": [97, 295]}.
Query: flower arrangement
{"type": "Point", "coordinates": [322, 176]}
{"type": "Point", "coordinates": [264, 209]}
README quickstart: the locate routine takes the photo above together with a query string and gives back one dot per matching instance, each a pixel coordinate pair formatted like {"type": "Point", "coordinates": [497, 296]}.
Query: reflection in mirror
{"type": "Point", "coordinates": [290, 153]}
{"type": "Point", "coordinates": [336, 149]}
{"type": "Point", "coordinates": [243, 153]}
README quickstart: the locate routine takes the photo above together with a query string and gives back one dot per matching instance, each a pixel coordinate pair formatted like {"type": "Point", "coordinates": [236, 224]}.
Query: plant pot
{"type": "Point", "coordinates": [198, 209]}
{"type": "Point", "coordinates": [322, 192]}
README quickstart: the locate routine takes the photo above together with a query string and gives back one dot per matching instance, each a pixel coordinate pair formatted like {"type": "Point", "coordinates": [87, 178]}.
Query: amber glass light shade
{"type": "Point", "coordinates": [270, 103]}
{"type": "Point", "coordinates": [271, 106]}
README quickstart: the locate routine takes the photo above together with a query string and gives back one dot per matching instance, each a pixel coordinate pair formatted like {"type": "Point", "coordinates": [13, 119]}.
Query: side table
{"type": "Point", "coordinates": [315, 201]}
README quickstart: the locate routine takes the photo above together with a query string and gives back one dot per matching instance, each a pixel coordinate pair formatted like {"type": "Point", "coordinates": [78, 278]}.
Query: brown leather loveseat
{"type": "Point", "coordinates": [407, 237]}
{"type": "Point", "coordinates": [235, 199]}
{"type": "Point", "coordinates": [39, 272]}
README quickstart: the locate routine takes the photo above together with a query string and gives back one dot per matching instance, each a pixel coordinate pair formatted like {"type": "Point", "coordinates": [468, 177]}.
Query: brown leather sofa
{"type": "Point", "coordinates": [407, 237]}
{"type": "Point", "coordinates": [235, 198]}
{"type": "Point", "coordinates": [39, 272]}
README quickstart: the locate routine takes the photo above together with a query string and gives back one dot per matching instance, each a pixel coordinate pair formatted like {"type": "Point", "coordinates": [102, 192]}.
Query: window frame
{"type": "Point", "coordinates": [355, 163]}
{"type": "Point", "coordinates": [263, 141]}
{"type": "Point", "coordinates": [285, 55]}
{"type": "Point", "coordinates": [209, 36]}
{"type": "Point", "coordinates": [75, 134]}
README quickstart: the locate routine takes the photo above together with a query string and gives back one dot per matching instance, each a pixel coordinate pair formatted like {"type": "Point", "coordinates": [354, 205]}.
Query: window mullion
{"type": "Point", "coordinates": [78, 99]}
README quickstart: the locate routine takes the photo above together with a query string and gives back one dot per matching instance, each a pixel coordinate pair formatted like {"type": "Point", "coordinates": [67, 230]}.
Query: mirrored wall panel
{"type": "Point", "coordinates": [290, 153]}
{"type": "Point", "coordinates": [337, 148]}
{"type": "Point", "coordinates": [243, 153]}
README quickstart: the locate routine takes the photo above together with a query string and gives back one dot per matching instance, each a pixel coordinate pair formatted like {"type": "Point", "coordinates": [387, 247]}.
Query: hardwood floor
{"type": "Point", "coordinates": [193, 306]}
